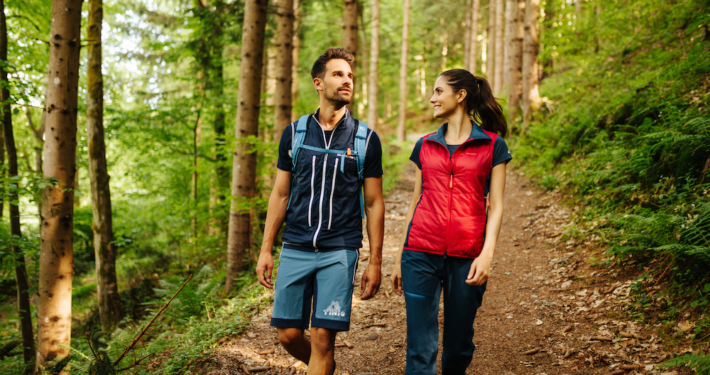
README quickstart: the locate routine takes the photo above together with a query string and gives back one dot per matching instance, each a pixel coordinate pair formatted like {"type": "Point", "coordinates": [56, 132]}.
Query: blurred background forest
{"type": "Point", "coordinates": [607, 101]}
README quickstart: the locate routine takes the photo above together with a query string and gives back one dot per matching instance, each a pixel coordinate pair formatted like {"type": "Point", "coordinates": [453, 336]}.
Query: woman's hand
{"type": "Point", "coordinates": [480, 270]}
{"type": "Point", "coordinates": [396, 277]}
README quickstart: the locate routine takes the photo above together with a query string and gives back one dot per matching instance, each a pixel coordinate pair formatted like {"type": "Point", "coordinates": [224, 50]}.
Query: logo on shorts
{"type": "Point", "coordinates": [334, 309]}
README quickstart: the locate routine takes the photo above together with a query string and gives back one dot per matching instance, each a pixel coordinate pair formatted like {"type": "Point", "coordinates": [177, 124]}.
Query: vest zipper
{"type": "Point", "coordinates": [332, 190]}
{"type": "Point", "coordinates": [320, 204]}
{"type": "Point", "coordinates": [313, 176]}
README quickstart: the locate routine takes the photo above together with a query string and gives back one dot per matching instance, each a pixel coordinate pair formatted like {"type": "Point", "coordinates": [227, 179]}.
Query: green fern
{"type": "Point", "coordinates": [700, 363]}
{"type": "Point", "coordinates": [195, 296]}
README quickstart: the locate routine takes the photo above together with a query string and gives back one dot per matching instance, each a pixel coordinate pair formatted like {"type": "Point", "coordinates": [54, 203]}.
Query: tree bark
{"type": "Point", "coordinates": [511, 18]}
{"type": "Point", "coordinates": [244, 166]}
{"type": "Point", "coordinates": [374, 59]}
{"type": "Point", "coordinates": [350, 36]}
{"type": "Point", "coordinates": [473, 49]}
{"type": "Point", "coordinates": [467, 35]}
{"type": "Point", "coordinates": [500, 45]}
{"type": "Point", "coordinates": [515, 88]}
{"type": "Point", "coordinates": [402, 126]}
{"type": "Point", "coordinates": [294, 65]}
{"type": "Point", "coordinates": [219, 218]}
{"type": "Point", "coordinates": [22, 284]}
{"type": "Point", "coordinates": [110, 308]}
{"type": "Point", "coordinates": [56, 249]}
{"type": "Point", "coordinates": [491, 53]}
{"type": "Point", "coordinates": [284, 66]}
{"type": "Point", "coordinates": [531, 97]}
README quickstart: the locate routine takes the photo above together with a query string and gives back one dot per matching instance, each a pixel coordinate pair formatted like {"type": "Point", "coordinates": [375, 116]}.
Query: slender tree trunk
{"type": "Point", "coordinates": [219, 218]}
{"type": "Point", "coordinates": [22, 284]}
{"type": "Point", "coordinates": [511, 18]}
{"type": "Point", "coordinates": [39, 137]}
{"type": "Point", "coordinates": [350, 36]}
{"type": "Point", "coordinates": [515, 88]}
{"type": "Point", "coordinates": [473, 50]}
{"type": "Point", "coordinates": [491, 52]}
{"type": "Point", "coordinates": [374, 59]}
{"type": "Point", "coordinates": [402, 126]}
{"type": "Point", "coordinates": [500, 45]}
{"type": "Point", "coordinates": [244, 166]}
{"type": "Point", "coordinates": [284, 66]}
{"type": "Point", "coordinates": [110, 308]}
{"type": "Point", "coordinates": [467, 35]}
{"type": "Point", "coordinates": [56, 251]}
{"type": "Point", "coordinates": [294, 65]}
{"type": "Point", "coordinates": [531, 97]}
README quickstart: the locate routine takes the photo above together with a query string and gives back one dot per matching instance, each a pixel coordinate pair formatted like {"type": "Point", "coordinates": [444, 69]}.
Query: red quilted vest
{"type": "Point", "coordinates": [450, 217]}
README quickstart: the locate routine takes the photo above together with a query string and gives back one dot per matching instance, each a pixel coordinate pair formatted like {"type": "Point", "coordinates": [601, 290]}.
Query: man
{"type": "Point", "coordinates": [319, 193]}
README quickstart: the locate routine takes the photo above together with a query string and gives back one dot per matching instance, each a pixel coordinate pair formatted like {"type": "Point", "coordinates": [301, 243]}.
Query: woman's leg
{"type": "Point", "coordinates": [421, 279]}
{"type": "Point", "coordinates": [461, 301]}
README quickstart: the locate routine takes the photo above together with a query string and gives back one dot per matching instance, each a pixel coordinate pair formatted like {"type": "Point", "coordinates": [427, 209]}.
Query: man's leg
{"type": "Point", "coordinates": [295, 343]}
{"type": "Point", "coordinates": [322, 360]}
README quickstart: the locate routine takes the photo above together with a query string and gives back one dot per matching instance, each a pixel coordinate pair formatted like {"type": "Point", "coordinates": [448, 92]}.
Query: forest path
{"type": "Point", "coordinates": [536, 298]}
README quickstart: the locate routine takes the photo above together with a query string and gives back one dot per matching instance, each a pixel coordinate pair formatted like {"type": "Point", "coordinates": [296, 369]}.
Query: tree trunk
{"type": "Point", "coordinates": [511, 18]}
{"type": "Point", "coordinates": [244, 166]}
{"type": "Point", "coordinates": [531, 97]}
{"type": "Point", "coordinates": [56, 250]}
{"type": "Point", "coordinates": [284, 66]}
{"type": "Point", "coordinates": [467, 35]}
{"type": "Point", "coordinates": [473, 49]}
{"type": "Point", "coordinates": [350, 36]}
{"type": "Point", "coordinates": [294, 64]}
{"type": "Point", "coordinates": [515, 88]}
{"type": "Point", "coordinates": [491, 53]}
{"type": "Point", "coordinates": [500, 45]}
{"type": "Point", "coordinates": [39, 137]}
{"type": "Point", "coordinates": [107, 285]}
{"type": "Point", "coordinates": [402, 126]}
{"type": "Point", "coordinates": [219, 217]}
{"type": "Point", "coordinates": [22, 284]}
{"type": "Point", "coordinates": [374, 57]}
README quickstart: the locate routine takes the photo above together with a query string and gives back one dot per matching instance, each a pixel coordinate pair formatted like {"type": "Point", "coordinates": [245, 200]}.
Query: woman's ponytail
{"type": "Point", "coordinates": [481, 105]}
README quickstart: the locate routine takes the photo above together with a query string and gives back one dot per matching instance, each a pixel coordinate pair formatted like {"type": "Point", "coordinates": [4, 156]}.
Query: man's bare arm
{"type": "Point", "coordinates": [278, 202]}
{"type": "Point", "coordinates": [375, 210]}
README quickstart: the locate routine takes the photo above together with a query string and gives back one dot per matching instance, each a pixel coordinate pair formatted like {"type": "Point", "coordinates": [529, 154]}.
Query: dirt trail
{"type": "Point", "coordinates": [541, 296]}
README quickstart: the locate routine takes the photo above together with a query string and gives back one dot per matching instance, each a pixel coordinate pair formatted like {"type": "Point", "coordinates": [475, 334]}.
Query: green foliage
{"type": "Point", "coordinates": [627, 130]}
{"type": "Point", "coordinates": [195, 298]}
{"type": "Point", "coordinates": [700, 362]}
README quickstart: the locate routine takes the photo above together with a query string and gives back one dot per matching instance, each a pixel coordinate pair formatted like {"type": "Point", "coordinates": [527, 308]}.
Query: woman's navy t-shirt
{"type": "Point", "coordinates": [501, 154]}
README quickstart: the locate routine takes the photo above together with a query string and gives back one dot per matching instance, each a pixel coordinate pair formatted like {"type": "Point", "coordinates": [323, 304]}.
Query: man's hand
{"type": "Point", "coordinates": [371, 279]}
{"type": "Point", "coordinates": [264, 268]}
{"type": "Point", "coordinates": [480, 270]}
{"type": "Point", "coordinates": [396, 278]}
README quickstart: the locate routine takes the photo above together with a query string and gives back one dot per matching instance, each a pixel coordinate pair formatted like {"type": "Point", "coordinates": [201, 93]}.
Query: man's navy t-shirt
{"type": "Point", "coordinates": [501, 154]}
{"type": "Point", "coordinates": [373, 155]}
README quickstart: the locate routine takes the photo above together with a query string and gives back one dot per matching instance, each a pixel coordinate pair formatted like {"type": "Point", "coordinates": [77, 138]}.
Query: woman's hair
{"type": "Point", "coordinates": [480, 103]}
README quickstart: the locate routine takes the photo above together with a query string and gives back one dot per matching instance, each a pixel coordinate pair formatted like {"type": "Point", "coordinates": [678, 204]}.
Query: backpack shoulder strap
{"type": "Point", "coordinates": [360, 148]}
{"type": "Point", "coordinates": [298, 139]}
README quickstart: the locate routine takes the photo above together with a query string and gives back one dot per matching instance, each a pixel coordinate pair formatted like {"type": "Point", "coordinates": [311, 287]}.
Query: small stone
{"type": "Point", "coordinates": [539, 322]}
{"type": "Point", "coordinates": [534, 296]}
{"type": "Point", "coordinates": [373, 337]}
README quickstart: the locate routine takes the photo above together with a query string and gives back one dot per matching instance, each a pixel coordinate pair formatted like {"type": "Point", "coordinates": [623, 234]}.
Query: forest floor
{"type": "Point", "coordinates": [549, 308]}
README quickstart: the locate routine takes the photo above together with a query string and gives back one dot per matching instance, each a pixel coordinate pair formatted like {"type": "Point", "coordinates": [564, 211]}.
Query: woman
{"type": "Point", "coordinates": [454, 222]}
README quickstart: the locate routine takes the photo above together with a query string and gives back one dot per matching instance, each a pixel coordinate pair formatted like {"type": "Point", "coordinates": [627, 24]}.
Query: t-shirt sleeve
{"type": "Point", "coordinates": [415, 153]}
{"type": "Point", "coordinates": [373, 157]}
{"type": "Point", "coordinates": [284, 162]}
{"type": "Point", "coordinates": [501, 153]}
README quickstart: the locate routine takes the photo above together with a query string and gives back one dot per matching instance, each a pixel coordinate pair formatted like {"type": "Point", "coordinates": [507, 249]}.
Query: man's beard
{"type": "Point", "coordinates": [336, 99]}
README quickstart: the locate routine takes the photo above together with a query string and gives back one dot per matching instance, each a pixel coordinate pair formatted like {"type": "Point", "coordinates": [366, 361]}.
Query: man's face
{"type": "Point", "coordinates": [337, 84]}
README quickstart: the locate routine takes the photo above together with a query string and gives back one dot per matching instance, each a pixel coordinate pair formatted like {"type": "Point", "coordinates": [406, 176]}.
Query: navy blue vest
{"type": "Point", "coordinates": [324, 211]}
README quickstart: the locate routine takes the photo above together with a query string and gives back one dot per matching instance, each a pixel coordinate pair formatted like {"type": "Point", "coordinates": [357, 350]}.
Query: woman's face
{"type": "Point", "coordinates": [444, 99]}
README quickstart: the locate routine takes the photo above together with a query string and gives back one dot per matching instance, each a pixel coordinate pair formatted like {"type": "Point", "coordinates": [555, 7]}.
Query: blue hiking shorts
{"type": "Point", "coordinates": [324, 279]}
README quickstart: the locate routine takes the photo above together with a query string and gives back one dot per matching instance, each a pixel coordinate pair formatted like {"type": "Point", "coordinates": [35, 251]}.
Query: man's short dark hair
{"type": "Point", "coordinates": [318, 69]}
